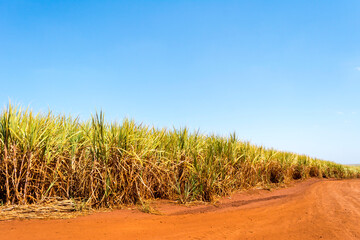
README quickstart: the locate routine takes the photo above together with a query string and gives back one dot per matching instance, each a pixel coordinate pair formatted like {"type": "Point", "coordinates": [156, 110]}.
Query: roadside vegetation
{"type": "Point", "coordinates": [106, 164]}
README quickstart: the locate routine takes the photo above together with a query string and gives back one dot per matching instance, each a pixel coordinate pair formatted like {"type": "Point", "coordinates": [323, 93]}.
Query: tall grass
{"type": "Point", "coordinates": [106, 164]}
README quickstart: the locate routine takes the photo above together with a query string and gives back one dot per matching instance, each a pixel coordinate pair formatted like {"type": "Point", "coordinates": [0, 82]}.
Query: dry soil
{"type": "Point", "coordinates": [313, 209]}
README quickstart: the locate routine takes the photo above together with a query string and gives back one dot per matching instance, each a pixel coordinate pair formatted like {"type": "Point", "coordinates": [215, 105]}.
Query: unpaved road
{"type": "Point", "coordinates": [312, 209]}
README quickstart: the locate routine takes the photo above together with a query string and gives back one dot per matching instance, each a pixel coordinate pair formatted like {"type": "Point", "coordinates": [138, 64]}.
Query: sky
{"type": "Point", "coordinates": [283, 74]}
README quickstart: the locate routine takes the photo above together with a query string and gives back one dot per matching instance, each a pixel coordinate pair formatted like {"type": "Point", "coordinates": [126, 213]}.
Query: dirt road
{"type": "Point", "coordinates": [312, 209]}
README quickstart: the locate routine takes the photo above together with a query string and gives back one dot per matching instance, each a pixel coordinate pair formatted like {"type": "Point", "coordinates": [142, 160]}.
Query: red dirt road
{"type": "Point", "coordinates": [312, 209]}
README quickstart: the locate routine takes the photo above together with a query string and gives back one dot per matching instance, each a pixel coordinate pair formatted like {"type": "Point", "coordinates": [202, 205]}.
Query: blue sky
{"type": "Point", "coordinates": [283, 74]}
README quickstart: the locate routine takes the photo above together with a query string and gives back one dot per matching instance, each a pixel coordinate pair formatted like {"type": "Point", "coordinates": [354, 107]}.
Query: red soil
{"type": "Point", "coordinates": [311, 209]}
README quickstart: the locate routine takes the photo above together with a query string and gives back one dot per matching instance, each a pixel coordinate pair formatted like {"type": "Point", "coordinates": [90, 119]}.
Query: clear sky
{"type": "Point", "coordinates": [283, 74]}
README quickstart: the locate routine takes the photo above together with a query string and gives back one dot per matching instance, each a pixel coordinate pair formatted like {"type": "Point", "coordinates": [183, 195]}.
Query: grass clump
{"type": "Point", "coordinates": [106, 164]}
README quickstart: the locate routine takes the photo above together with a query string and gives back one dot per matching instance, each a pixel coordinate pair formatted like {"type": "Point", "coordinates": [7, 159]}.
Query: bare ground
{"type": "Point", "coordinates": [313, 209]}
